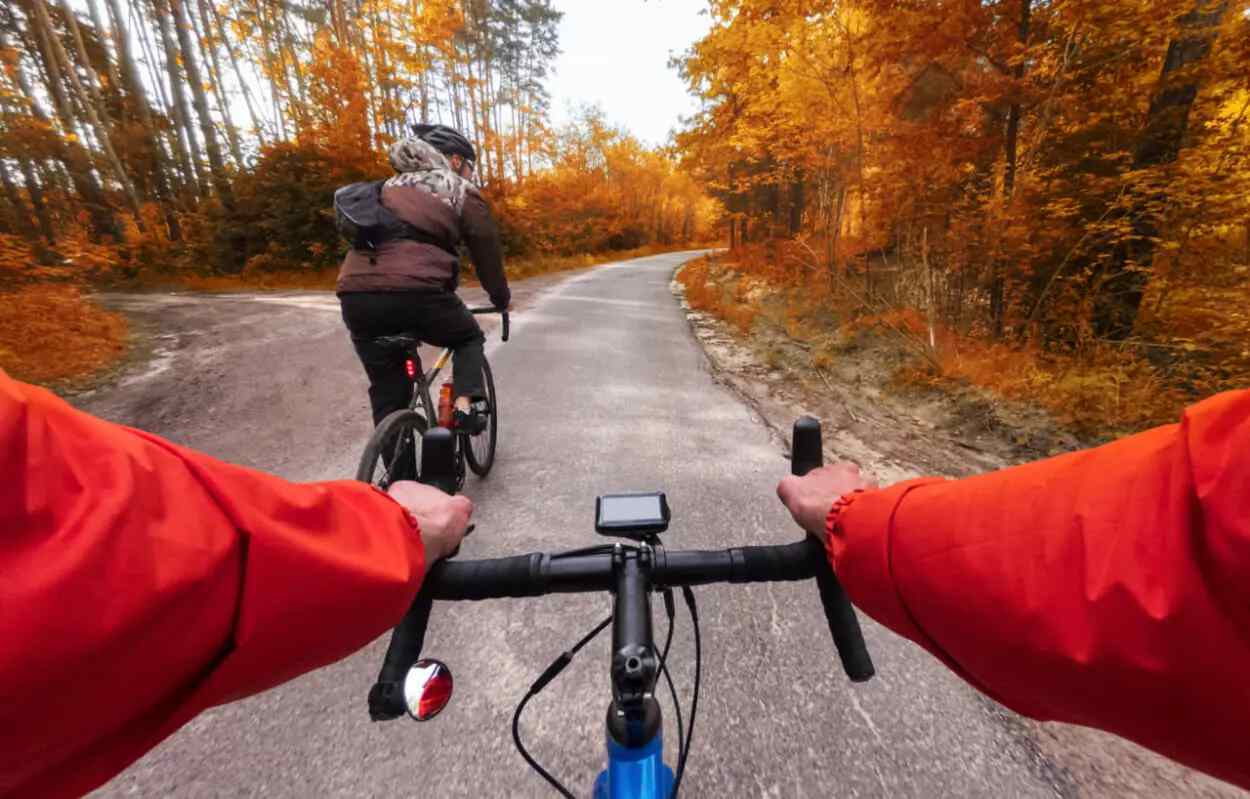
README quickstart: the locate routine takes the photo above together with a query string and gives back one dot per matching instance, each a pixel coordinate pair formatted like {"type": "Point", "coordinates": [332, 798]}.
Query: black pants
{"type": "Point", "coordinates": [436, 317]}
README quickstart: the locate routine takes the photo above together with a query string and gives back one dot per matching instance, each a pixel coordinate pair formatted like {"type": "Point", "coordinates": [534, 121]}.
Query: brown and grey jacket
{"type": "Point", "coordinates": [448, 209]}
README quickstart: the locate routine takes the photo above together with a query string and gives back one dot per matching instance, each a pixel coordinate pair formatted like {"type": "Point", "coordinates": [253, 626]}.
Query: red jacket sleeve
{"type": "Point", "coordinates": [1109, 588]}
{"type": "Point", "coordinates": [144, 582]}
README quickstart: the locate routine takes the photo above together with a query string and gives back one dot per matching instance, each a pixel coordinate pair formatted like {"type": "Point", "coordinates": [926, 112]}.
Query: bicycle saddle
{"type": "Point", "coordinates": [401, 341]}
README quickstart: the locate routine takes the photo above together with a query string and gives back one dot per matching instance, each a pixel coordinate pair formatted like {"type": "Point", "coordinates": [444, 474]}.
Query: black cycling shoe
{"type": "Point", "coordinates": [469, 423]}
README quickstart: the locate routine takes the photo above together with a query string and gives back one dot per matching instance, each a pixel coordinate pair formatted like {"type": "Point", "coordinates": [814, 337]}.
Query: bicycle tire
{"type": "Point", "coordinates": [479, 450]}
{"type": "Point", "coordinates": [397, 438]}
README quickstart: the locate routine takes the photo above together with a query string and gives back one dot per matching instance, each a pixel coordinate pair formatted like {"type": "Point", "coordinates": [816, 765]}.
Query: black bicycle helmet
{"type": "Point", "coordinates": [447, 141]}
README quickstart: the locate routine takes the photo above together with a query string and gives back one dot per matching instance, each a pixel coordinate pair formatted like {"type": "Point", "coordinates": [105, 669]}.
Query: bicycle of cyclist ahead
{"type": "Point", "coordinates": [420, 688]}
{"type": "Point", "coordinates": [394, 450]}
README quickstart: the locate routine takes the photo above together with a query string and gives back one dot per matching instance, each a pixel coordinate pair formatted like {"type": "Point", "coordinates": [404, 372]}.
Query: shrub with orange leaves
{"type": "Point", "coordinates": [53, 333]}
{"type": "Point", "coordinates": [17, 257]}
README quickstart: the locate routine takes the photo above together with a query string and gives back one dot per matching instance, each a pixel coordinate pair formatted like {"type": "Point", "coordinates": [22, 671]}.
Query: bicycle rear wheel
{"type": "Point", "coordinates": [394, 450]}
{"type": "Point", "coordinates": [479, 450]}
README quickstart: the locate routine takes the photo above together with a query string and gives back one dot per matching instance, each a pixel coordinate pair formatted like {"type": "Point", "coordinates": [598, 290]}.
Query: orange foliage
{"type": "Point", "coordinates": [1103, 391]}
{"type": "Point", "coordinates": [17, 257]}
{"type": "Point", "coordinates": [726, 299]}
{"type": "Point", "coordinates": [1106, 392]}
{"type": "Point", "coordinates": [603, 191]}
{"type": "Point", "coordinates": [53, 333]}
{"type": "Point", "coordinates": [1035, 175]}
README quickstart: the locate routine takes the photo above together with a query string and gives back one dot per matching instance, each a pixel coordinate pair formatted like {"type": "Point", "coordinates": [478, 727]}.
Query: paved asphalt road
{"type": "Point", "coordinates": [602, 388]}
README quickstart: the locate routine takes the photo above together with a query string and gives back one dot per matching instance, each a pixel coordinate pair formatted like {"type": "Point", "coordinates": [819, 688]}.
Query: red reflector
{"type": "Point", "coordinates": [410, 368]}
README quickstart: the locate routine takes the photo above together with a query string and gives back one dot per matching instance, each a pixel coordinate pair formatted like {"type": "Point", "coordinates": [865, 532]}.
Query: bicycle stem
{"type": "Point", "coordinates": [633, 717]}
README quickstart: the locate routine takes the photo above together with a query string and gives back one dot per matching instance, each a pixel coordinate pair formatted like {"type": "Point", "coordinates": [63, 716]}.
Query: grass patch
{"type": "Point", "coordinates": [1101, 392]}
{"type": "Point", "coordinates": [53, 334]}
{"type": "Point", "coordinates": [1104, 393]}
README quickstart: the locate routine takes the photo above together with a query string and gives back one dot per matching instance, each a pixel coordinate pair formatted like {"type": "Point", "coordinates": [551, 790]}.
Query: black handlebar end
{"type": "Point", "coordinates": [805, 446]}
{"type": "Point", "coordinates": [806, 454]}
{"type": "Point", "coordinates": [386, 701]}
{"type": "Point", "coordinates": [386, 697]}
{"type": "Point", "coordinates": [843, 624]}
{"type": "Point", "coordinates": [438, 459]}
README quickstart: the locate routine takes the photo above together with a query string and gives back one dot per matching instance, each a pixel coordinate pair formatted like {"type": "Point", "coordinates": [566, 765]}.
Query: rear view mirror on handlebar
{"type": "Point", "coordinates": [427, 688]}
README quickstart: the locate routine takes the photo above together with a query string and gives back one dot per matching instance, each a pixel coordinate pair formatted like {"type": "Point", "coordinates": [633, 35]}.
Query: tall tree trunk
{"type": "Point", "coordinates": [493, 108]}
{"type": "Point", "coordinates": [98, 21]}
{"type": "Point", "coordinates": [40, 206]}
{"type": "Point", "coordinates": [70, 152]}
{"type": "Point", "coordinates": [425, 84]}
{"type": "Point", "coordinates": [90, 99]}
{"type": "Point", "coordinates": [273, 66]}
{"type": "Point", "coordinates": [377, 55]}
{"type": "Point", "coordinates": [1120, 295]}
{"type": "Point", "coordinates": [287, 46]}
{"type": "Point", "coordinates": [19, 220]}
{"type": "Point", "coordinates": [182, 111]}
{"type": "Point", "coordinates": [130, 79]}
{"type": "Point", "coordinates": [221, 181]}
{"type": "Point", "coordinates": [203, 37]}
{"type": "Point", "coordinates": [172, 138]}
{"type": "Point", "coordinates": [798, 202]}
{"type": "Point", "coordinates": [54, 175]}
{"type": "Point", "coordinates": [483, 155]}
{"type": "Point", "coordinates": [224, 36]}
{"type": "Point", "coordinates": [291, 105]}
{"type": "Point", "coordinates": [998, 283]}
{"type": "Point", "coordinates": [833, 235]}
{"type": "Point", "coordinates": [453, 89]}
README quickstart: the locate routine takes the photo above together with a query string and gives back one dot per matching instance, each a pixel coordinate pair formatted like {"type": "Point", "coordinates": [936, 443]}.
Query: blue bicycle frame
{"type": "Point", "coordinates": [635, 773]}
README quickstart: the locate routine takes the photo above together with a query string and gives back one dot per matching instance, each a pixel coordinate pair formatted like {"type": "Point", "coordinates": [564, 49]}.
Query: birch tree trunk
{"type": "Point", "coordinates": [182, 112]}
{"type": "Point", "coordinates": [90, 99]}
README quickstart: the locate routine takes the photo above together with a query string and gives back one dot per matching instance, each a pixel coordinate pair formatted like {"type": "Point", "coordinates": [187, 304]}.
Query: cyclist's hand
{"type": "Point", "coordinates": [443, 518]}
{"type": "Point", "coordinates": [811, 497]}
{"type": "Point", "coordinates": [502, 302]}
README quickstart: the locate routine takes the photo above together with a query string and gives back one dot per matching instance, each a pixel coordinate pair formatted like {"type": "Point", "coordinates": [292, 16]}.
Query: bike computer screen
{"type": "Point", "coordinates": [637, 515]}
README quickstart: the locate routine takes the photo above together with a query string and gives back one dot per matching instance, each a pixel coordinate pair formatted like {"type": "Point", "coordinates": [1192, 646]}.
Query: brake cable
{"type": "Point", "coordinates": [671, 611]}
{"type": "Point", "coordinates": [549, 674]}
{"type": "Point", "coordinates": [688, 596]}
{"type": "Point", "coordinates": [560, 663]}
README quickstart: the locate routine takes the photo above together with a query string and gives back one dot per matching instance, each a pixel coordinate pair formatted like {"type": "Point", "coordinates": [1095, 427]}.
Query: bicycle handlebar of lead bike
{"type": "Point", "coordinates": [501, 311]}
{"type": "Point", "coordinates": [537, 574]}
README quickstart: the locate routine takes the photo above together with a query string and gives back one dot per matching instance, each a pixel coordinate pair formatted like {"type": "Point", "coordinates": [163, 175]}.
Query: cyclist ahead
{"type": "Point", "coordinates": [407, 282]}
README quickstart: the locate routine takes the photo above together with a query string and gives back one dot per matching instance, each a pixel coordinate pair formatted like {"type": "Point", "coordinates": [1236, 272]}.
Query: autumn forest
{"type": "Point", "coordinates": [1048, 196]}
{"type": "Point", "coordinates": [1018, 188]}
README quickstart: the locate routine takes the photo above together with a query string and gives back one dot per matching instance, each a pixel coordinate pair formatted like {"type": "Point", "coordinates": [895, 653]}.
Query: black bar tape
{"type": "Point", "coordinates": [844, 626]}
{"type": "Point", "coordinates": [806, 454]}
{"type": "Point", "coordinates": [448, 579]}
{"type": "Point", "coordinates": [386, 698]}
{"type": "Point", "coordinates": [519, 576]}
{"type": "Point", "coordinates": [775, 563]}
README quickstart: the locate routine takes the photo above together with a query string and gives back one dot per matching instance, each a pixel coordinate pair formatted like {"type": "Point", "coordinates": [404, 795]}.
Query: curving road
{"type": "Point", "coordinates": [603, 388]}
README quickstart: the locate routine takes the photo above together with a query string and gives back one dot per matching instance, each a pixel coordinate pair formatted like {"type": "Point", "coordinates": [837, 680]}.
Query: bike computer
{"type": "Point", "coordinates": [638, 515]}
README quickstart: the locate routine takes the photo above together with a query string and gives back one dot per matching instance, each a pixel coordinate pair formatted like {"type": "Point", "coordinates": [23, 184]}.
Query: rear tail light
{"type": "Point", "coordinates": [411, 368]}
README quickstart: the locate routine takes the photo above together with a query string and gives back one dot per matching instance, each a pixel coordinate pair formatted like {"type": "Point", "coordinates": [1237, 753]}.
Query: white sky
{"type": "Point", "coordinates": [615, 53]}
